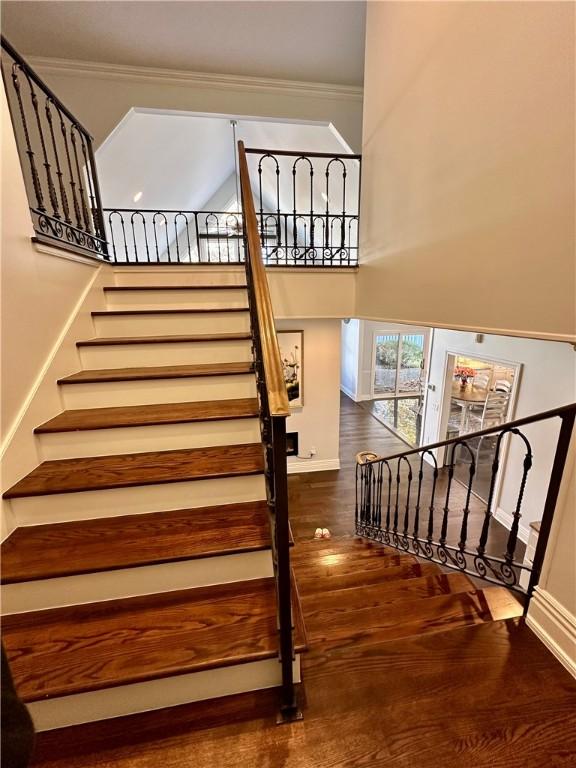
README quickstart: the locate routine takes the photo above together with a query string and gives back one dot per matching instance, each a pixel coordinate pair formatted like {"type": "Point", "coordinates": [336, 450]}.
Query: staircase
{"type": "Point", "coordinates": [357, 594]}
{"type": "Point", "coordinates": [141, 575]}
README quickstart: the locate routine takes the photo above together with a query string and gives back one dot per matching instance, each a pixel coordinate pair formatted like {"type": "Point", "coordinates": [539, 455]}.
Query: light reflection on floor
{"type": "Point", "coordinates": [401, 414]}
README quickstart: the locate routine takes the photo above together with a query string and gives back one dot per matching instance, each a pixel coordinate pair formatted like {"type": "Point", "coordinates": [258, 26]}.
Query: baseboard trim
{"type": "Point", "coordinates": [506, 518]}
{"type": "Point", "coordinates": [555, 627]}
{"type": "Point", "coordinates": [298, 466]}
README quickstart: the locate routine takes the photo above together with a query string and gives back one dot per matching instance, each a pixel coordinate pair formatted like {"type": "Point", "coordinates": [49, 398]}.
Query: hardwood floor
{"type": "Point", "coordinates": [407, 667]}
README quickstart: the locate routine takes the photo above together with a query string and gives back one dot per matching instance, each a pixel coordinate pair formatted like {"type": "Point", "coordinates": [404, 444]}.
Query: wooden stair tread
{"type": "Point", "coordinates": [311, 585]}
{"type": "Point", "coordinates": [173, 311]}
{"type": "Point", "coordinates": [376, 596]}
{"type": "Point", "coordinates": [88, 647]}
{"type": "Point", "coordinates": [146, 415]}
{"type": "Point", "coordinates": [171, 339]}
{"type": "Point", "coordinates": [334, 566]}
{"type": "Point", "coordinates": [157, 372]}
{"type": "Point", "coordinates": [214, 287]}
{"type": "Point", "coordinates": [126, 470]}
{"type": "Point", "coordinates": [410, 617]}
{"type": "Point", "coordinates": [89, 546]}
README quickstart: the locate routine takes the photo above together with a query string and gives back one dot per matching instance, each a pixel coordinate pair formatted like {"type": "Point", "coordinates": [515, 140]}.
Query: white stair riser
{"type": "Point", "coordinates": [152, 391]}
{"type": "Point", "coordinates": [200, 275]}
{"type": "Point", "coordinates": [161, 437]}
{"type": "Point", "coordinates": [131, 582]}
{"type": "Point", "coordinates": [159, 299]}
{"type": "Point", "coordinates": [151, 324]}
{"type": "Point", "coordinates": [63, 507]}
{"type": "Point", "coordinates": [158, 694]}
{"type": "Point", "coordinates": [165, 353]}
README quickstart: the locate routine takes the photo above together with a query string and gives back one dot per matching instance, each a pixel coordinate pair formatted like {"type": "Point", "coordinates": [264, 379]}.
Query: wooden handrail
{"type": "Point", "coordinates": [271, 360]}
{"type": "Point", "coordinates": [292, 153]}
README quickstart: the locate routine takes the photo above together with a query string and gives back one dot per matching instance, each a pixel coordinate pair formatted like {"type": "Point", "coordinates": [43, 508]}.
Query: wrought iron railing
{"type": "Point", "coordinates": [274, 409]}
{"type": "Point", "coordinates": [148, 236]}
{"type": "Point", "coordinates": [406, 501]}
{"type": "Point", "coordinates": [57, 160]}
{"type": "Point", "coordinates": [307, 207]}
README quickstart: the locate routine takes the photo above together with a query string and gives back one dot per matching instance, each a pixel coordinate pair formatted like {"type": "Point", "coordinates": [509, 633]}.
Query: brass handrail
{"type": "Point", "coordinates": [271, 360]}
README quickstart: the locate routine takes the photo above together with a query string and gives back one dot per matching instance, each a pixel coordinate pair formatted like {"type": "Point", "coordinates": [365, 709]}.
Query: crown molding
{"type": "Point", "coordinates": [183, 78]}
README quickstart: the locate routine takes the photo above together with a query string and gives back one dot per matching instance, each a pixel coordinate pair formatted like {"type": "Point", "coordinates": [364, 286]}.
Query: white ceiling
{"type": "Point", "coordinates": [313, 41]}
{"type": "Point", "coordinates": [180, 161]}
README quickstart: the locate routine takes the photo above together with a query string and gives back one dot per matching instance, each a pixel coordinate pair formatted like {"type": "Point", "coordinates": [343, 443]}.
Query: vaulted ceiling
{"type": "Point", "coordinates": [311, 41]}
{"type": "Point", "coordinates": [178, 160]}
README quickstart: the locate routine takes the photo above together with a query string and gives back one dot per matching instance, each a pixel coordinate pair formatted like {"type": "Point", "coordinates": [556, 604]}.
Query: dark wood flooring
{"type": "Point", "coordinates": [407, 667]}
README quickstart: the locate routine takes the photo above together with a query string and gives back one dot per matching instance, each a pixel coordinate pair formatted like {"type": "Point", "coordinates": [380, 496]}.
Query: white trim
{"type": "Point", "coordinates": [60, 253]}
{"type": "Point", "coordinates": [523, 334]}
{"type": "Point", "coordinates": [154, 75]}
{"type": "Point", "coordinates": [296, 465]}
{"type": "Point", "coordinates": [507, 518]}
{"type": "Point", "coordinates": [159, 693]}
{"type": "Point", "coordinates": [554, 626]}
{"type": "Point", "coordinates": [349, 393]}
{"type": "Point", "coordinates": [100, 586]}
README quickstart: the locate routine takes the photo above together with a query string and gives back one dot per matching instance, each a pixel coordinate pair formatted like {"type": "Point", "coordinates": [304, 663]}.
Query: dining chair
{"type": "Point", "coordinates": [494, 413]}
{"type": "Point", "coordinates": [481, 381]}
{"type": "Point", "coordinates": [502, 385]}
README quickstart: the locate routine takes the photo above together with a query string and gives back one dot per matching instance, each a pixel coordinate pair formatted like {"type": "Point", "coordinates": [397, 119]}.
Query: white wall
{"type": "Point", "coordinates": [547, 380]}
{"type": "Point", "coordinates": [43, 293]}
{"type": "Point", "coordinates": [468, 204]}
{"type": "Point", "coordinates": [318, 421]}
{"type": "Point", "coordinates": [350, 357]}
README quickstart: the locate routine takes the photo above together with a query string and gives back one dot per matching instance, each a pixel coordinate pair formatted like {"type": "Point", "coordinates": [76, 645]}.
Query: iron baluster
{"type": "Point", "coordinates": [29, 151]}
{"type": "Point", "coordinates": [488, 515]}
{"type": "Point", "coordinates": [59, 174]}
{"type": "Point", "coordinates": [513, 537]}
{"type": "Point", "coordinates": [81, 190]}
{"type": "Point", "coordinates": [47, 166]}
{"type": "Point", "coordinates": [91, 194]}
{"type": "Point", "coordinates": [70, 171]}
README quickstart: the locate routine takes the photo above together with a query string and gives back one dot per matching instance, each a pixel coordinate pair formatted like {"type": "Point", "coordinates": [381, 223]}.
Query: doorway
{"type": "Point", "coordinates": [479, 393]}
{"type": "Point", "coordinates": [398, 374]}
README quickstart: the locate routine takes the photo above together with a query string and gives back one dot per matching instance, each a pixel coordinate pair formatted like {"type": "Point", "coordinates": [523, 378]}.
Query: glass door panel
{"type": "Point", "coordinates": [411, 363]}
{"type": "Point", "coordinates": [386, 364]}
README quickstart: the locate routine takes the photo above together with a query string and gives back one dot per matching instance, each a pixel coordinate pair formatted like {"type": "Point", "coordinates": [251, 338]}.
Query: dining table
{"type": "Point", "coordinates": [467, 397]}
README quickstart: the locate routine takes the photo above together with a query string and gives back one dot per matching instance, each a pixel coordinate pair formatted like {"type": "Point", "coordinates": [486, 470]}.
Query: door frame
{"type": "Point", "coordinates": [449, 363]}
{"type": "Point", "coordinates": [425, 332]}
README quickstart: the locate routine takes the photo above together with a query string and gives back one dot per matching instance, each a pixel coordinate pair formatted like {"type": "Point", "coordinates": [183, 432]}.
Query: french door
{"type": "Point", "coordinates": [398, 364]}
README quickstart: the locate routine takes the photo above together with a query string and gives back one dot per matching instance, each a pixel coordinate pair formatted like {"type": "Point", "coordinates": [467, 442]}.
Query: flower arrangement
{"type": "Point", "coordinates": [463, 373]}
